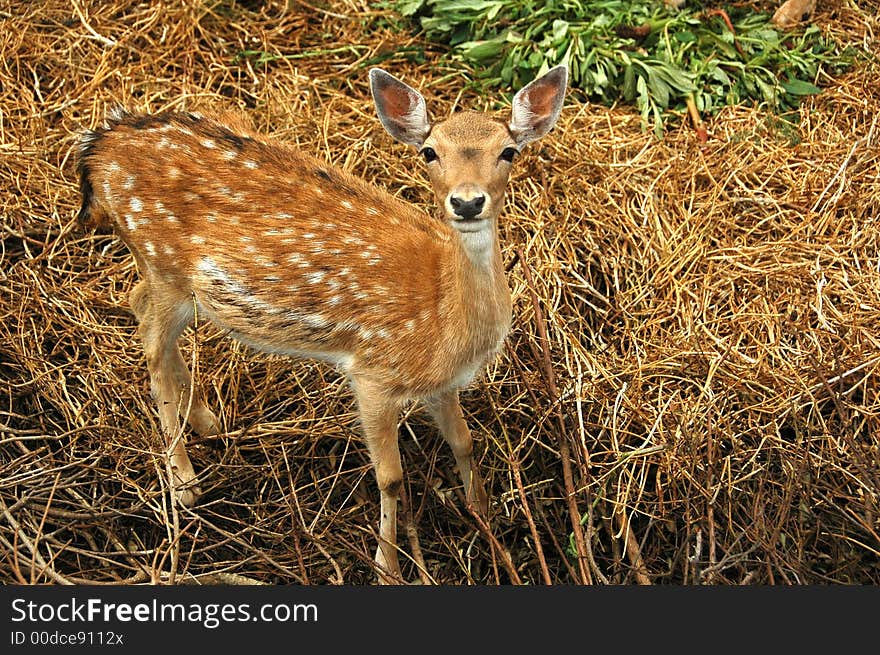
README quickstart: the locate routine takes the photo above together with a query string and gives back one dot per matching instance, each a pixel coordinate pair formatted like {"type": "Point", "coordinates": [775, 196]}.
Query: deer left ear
{"type": "Point", "coordinates": [400, 107]}
{"type": "Point", "coordinates": [537, 106]}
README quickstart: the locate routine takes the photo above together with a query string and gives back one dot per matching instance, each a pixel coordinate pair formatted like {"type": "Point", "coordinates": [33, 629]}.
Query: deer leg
{"type": "Point", "coordinates": [159, 326]}
{"type": "Point", "coordinates": [379, 416]}
{"type": "Point", "coordinates": [200, 417]}
{"type": "Point", "coordinates": [447, 413]}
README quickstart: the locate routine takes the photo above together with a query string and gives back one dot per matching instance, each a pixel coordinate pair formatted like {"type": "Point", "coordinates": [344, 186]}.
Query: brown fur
{"type": "Point", "coordinates": [294, 256]}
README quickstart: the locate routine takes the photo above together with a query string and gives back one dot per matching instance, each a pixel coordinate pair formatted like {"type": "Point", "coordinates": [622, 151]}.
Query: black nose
{"type": "Point", "coordinates": [467, 208]}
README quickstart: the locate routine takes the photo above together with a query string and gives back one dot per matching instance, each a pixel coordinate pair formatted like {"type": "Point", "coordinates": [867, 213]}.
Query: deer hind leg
{"type": "Point", "coordinates": [199, 416]}
{"type": "Point", "coordinates": [446, 411]}
{"type": "Point", "coordinates": [159, 325]}
{"type": "Point", "coordinates": [378, 415]}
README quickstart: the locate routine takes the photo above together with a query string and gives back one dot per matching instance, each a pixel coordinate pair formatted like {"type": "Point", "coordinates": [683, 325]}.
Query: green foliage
{"type": "Point", "coordinates": [638, 51]}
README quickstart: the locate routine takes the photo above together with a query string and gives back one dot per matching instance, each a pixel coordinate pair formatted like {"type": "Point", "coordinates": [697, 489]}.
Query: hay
{"type": "Point", "coordinates": [708, 385]}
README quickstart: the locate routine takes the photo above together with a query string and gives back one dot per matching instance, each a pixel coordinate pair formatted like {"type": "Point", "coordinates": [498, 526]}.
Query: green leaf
{"type": "Point", "coordinates": [409, 7]}
{"type": "Point", "coordinates": [629, 83]}
{"type": "Point", "coordinates": [659, 89]}
{"type": "Point", "coordinates": [800, 88]}
{"type": "Point", "coordinates": [684, 52]}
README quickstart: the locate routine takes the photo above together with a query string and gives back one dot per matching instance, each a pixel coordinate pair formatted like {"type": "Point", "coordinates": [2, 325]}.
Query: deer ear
{"type": "Point", "coordinates": [537, 105]}
{"type": "Point", "coordinates": [400, 107]}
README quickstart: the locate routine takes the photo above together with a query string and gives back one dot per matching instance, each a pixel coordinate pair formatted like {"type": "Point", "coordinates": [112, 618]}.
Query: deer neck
{"type": "Point", "coordinates": [479, 287]}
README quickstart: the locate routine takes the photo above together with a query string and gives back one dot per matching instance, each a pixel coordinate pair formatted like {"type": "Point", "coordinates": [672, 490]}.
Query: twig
{"type": "Point", "coordinates": [91, 30]}
{"type": "Point", "coordinates": [506, 560]}
{"type": "Point", "coordinates": [843, 166]}
{"type": "Point", "coordinates": [539, 551]}
{"type": "Point", "coordinates": [564, 452]}
{"type": "Point", "coordinates": [413, 536]}
{"type": "Point", "coordinates": [632, 549]}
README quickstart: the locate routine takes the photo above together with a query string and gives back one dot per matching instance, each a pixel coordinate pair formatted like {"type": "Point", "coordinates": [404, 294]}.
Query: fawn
{"type": "Point", "coordinates": [291, 255]}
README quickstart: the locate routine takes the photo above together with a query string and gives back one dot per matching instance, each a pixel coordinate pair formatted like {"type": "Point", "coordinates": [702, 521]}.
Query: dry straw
{"type": "Point", "coordinates": [689, 394]}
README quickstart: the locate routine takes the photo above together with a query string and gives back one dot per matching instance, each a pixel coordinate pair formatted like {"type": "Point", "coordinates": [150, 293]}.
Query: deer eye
{"type": "Point", "coordinates": [508, 154]}
{"type": "Point", "coordinates": [429, 154]}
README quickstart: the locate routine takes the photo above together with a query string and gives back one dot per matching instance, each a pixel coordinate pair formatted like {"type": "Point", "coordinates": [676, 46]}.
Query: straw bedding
{"type": "Point", "coordinates": [689, 394]}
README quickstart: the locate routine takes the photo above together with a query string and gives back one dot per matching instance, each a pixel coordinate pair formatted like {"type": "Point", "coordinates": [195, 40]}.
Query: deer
{"type": "Point", "coordinates": [294, 256]}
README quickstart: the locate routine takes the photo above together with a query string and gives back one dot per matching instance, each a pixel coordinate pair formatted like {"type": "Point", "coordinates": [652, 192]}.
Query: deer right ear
{"type": "Point", "coordinates": [400, 107]}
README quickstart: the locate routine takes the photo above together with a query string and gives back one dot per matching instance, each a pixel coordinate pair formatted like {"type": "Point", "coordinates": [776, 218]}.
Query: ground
{"type": "Point", "coordinates": [689, 394]}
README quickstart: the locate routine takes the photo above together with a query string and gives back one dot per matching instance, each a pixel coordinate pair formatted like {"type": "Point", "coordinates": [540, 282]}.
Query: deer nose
{"type": "Point", "coordinates": [467, 208]}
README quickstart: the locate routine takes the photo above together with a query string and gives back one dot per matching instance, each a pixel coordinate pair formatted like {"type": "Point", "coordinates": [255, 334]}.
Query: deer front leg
{"type": "Point", "coordinates": [446, 411]}
{"type": "Point", "coordinates": [379, 415]}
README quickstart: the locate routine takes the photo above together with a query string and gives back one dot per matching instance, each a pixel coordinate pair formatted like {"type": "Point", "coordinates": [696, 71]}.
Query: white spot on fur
{"type": "Point", "coordinates": [410, 325]}
{"type": "Point", "coordinates": [250, 163]}
{"type": "Point", "coordinates": [136, 205]}
{"type": "Point", "coordinates": [272, 278]}
{"type": "Point", "coordinates": [295, 258]}
{"type": "Point", "coordinates": [347, 205]}
{"type": "Point", "coordinates": [150, 248]}
{"type": "Point", "coordinates": [315, 320]}
{"type": "Point", "coordinates": [197, 239]}
{"type": "Point", "coordinates": [168, 250]}
{"type": "Point", "coordinates": [372, 211]}
{"type": "Point", "coordinates": [129, 222]}
{"type": "Point", "coordinates": [308, 235]}
{"type": "Point", "coordinates": [229, 155]}
{"type": "Point", "coordinates": [113, 167]}
{"type": "Point", "coordinates": [211, 218]}
{"type": "Point", "coordinates": [173, 172]}
{"type": "Point", "coordinates": [209, 143]}
{"type": "Point", "coordinates": [334, 300]}
{"type": "Point", "coordinates": [315, 276]}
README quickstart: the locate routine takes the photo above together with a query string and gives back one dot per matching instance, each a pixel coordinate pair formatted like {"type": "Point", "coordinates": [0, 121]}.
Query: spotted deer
{"type": "Point", "coordinates": [294, 256]}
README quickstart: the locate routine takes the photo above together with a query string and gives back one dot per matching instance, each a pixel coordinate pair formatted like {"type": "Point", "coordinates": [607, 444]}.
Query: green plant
{"type": "Point", "coordinates": [641, 51]}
